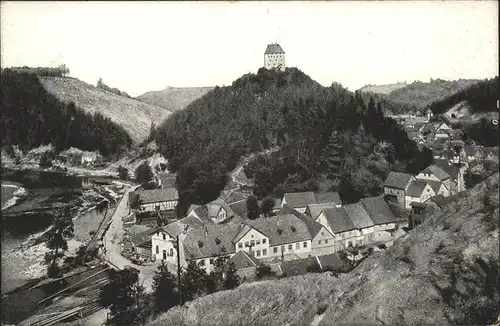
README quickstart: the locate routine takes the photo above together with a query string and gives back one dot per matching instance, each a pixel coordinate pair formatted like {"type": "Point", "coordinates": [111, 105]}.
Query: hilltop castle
{"type": "Point", "coordinates": [274, 57]}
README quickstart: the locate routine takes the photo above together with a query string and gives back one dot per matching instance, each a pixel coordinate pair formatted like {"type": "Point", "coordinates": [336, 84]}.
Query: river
{"type": "Point", "coordinates": [24, 194]}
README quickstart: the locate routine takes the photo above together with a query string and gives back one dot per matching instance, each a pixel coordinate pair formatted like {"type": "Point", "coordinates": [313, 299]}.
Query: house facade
{"type": "Point", "coordinates": [396, 185]}
{"type": "Point", "coordinates": [157, 199]}
{"type": "Point", "coordinates": [419, 191]}
{"type": "Point", "coordinates": [274, 57]}
{"type": "Point", "coordinates": [164, 246]}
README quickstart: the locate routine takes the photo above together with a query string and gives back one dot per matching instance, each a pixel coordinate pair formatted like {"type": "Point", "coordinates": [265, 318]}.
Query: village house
{"type": "Point", "coordinates": [491, 153]}
{"type": "Point", "coordinates": [428, 113]}
{"type": "Point", "coordinates": [441, 126]}
{"type": "Point", "coordinates": [139, 244]}
{"type": "Point", "coordinates": [215, 212]}
{"type": "Point", "coordinates": [396, 184]}
{"type": "Point", "coordinates": [471, 153]}
{"type": "Point", "coordinates": [338, 222]}
{"type": "Point", "coordinates": [418, 191]}
{"type": "Point", "coordinates": [426, 129]}
{"type": "Point", "coordinates": [301, 200]}
{"type": "Point", "coordinates": [89, 158]}
{"type": "Point", "coordinates": [385, 221]}
{"type": "Point", "coordinates": [436, 173]}
{"type": "Point", "coordinates": [274, 57]}
{"type": "Point", "coordinates": [157, 199]}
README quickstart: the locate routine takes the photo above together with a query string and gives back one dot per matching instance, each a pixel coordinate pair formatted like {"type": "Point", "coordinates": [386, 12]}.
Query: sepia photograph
{"type": "Point", "coordinates": [257, 163]}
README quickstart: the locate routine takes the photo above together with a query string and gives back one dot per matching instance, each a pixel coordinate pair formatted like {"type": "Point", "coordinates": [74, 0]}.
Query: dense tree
{"type": "Point", "coordinates": [252, 207]}
{"type": "Point", "coordinates": [46, 160]}
{"type": "Point", "coordinates": [267, 205]}
{"type": "Point", "coordinates": [123, 173]}
{"type": "Point", "coordinates": [231, 279]}
{"type": "Point", "coordinates": [125, 298]}
{"type": "Point", "coordinates": [57, 239]}
{"type": "Point", "coordinates": [135, 202]}
{"type": "Point", "coordinates": [32, 117]}
{"type": "Point", "coordinates": [193, 281]}
{"type": "Point", "coordinates": [165, 289]}
{"type": "Point", "coordinates": [143, 173]}
{"type": "Point", "coordinates": [264, 271]}
{"type": "Point", "coordinates": [331, 157]}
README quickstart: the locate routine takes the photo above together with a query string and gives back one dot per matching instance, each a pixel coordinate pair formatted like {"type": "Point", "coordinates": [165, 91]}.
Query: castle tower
{"type": "Point", "coordinates": [274, 57]}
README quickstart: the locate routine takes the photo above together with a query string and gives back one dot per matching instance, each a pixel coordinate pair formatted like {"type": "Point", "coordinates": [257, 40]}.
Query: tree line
{"type": "Point", "coordinates": [100, 84]}
{"type": "Point", "coordinates": [307, 121]}
{"type": "Point", "coordinates": [33, 117]}
{"type": "Point", "coordinates": [60, 71]}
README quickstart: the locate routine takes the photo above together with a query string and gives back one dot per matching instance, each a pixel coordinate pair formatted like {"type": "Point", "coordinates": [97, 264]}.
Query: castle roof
{"type": "Point", "coordinates": [274, 48]}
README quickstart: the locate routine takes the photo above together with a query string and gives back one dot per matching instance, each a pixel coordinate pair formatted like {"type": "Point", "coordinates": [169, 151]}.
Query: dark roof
{"type": "Point", "coordinates": [443, 201]}
{"type": "Point", "coordinates": [399, 212]}
{"type": "Point", "coordinates": [331, 260]}
{"type": "Point", "coordinates": [328, 197]}
{"type": "Point", "coordinates": [142, 237]}
{"type": "Point", "coordinates": [243, 260]}
{"type": "Point", "coordinates": [435, 185]}
{"type": "Point", "coordinates": [358, 215]}
{"type": "Point", "coordinates": [339, 220]}
{"type": "Point", "coordinates": [427, 127]}
{"type": "Point", "coordinates": [397, 180]}
{"type": "Point", "coordinates": [416, 188]}
{"type": "Point", "coordinates": [299, 199]}
{"type": "Point", "coordinates": [239, 208]}
{"type": "Point", "coordinates": [274, 48]}
{"type": "Point", "coordinates": [207, 236]}
{"type": "Point", "coordinates": [313, 226]}
{"type": "Point", "coordinates": [293, 229]}
{"type": "Point", "coordinates": [316, 209]}
{"type": "Point", "coordinates": [417, 204]}
{"type": "Point", "coordinates": [157, 195]}
{"type": "Point", "coordinates": [378, 210]}
{"type": "Point", "coordinates": [298, 266]}
{"type": "Point", "coordinates": [215, 206]}
{"type": "Point", "coordinates": [451, 169]}
{"type": "Point", "coordinates": [167, 180]}
{"type": "Point", "coordinates": [437, 171]}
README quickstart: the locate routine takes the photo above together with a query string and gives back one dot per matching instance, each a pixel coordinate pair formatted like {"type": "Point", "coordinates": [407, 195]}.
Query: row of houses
{"type": "Point", "coordinates": [440, 178]}
{"type": "Point", "coordinates": [290, 235]}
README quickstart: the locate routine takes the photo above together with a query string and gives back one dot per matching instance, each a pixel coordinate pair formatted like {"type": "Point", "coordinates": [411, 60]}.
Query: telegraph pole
{"type": "Point", "coordinates": [179, 285]}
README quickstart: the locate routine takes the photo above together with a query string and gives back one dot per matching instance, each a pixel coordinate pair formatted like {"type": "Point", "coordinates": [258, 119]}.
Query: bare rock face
{"type": "Point", "coordinates": [444, 272]}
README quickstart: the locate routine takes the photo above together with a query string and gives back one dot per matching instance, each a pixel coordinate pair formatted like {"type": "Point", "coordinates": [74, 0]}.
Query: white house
{"type": "Point", "coordinates": [338, 222]}
{"type": "Point", "coordinates": [216, 211]}
{"type": "Point", "coordinates": [436, 173]}
{"type": "Point", "coordinates": [418, 191]}
{"type": "Point", "coordinates": [384, 219]}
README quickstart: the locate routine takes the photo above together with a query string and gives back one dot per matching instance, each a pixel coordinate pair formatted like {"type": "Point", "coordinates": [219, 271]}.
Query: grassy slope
{"type": "Point", "coordinates": [174, 98]}
{"type": "Point", "coordinates": [382, 89]}
{"type": "Point", "coordinates": [432, 276]}
{"type": "Point", "coordinates": [133, 115]}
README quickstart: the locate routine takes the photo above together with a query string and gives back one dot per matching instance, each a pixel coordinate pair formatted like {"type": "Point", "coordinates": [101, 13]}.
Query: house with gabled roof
{"type": "Point", "coordinates": [313, 210]}
{"type": "Point", "coordinates": [338, 222]}
{"type": "Point", "coordinates": [216, 211]}
{"type": "Point", "coordinates": [435, 173]}
{"type": "Point", "coordinates": [396, 184]}
{"type": "Point", "coordinates": [140, 244]}
{"type": "Point", "coordinates": [362, 221]}
{"type": "Point", "coordinates": [384, 218]}
{"type": "Point", "coordinates": [300, 200]}
{"type": "Point", "coordinates": [322, 240]}
{"type": "Point", "coordinates": [418, 191]}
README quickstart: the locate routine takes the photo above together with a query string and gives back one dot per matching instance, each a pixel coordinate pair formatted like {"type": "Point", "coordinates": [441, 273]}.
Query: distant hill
{"type": "Point", "coordinates": [382, 89]}
{"type": "Point", "coordinates": [417, 95]}
{"type": "Point", "coordinates": [444, 272]}
{"type": "Point", "coordinates": [133, 115]}
{"type": "Point", "coordinates": [174, 98]}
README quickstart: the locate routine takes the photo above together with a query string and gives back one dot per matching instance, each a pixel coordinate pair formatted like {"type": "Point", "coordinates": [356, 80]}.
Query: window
{"type": "Point", "coordinates": [304, 244]}
{"type": "Point", "coordinates": [164, 236]}
{"type": "Point", "coordinates": [282, 248]}
{"type": "Point", "coordinates": [322, 233]}
{"type": "Point", "coordinates": [164, 254]}
{"type": "Point", "coordinates": [211, 261]}
{"type": "Point", "coordinates": [258, 242]}
{"type": "Point", "coordinates": [264, 252]}
{"type": "Point", "coordinates": [326, 241]}
{"type": "Point", "coordinates": [275, 250]}
{"type": "Point", "coordinates": [297, 245]}
{"type": "Point", "coordinates": [157, 207]}
{"type": "Point", "coordinates": [263, 241]}
{"type": "Point", "coordinates": [258, 253]}
{"type": "Point", "coordinates": [252, 243]}
{"type": "Point", "coordinates": [240, 245]}
{"type": "Point", "coordinates": [201, 262]}
{"type": "Point", "coordinates": [171, 253]}
{"type": "Point", "coordinates": [289, 247]}
{"type": "Point", "coordinates": [251, 236]}
{"type": "Point", "coordinates": [319, 241]}
{"type": "Point", "coordinates": [157, 249]}
{"type": "Point", "coordinates": [247, 244]}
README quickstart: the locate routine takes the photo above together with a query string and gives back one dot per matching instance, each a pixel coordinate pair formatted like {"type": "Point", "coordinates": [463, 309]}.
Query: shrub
{"type": "Point", "coordinates": [123, 173]}
{"type": "Point", "coordinates": [46, 160]}
{"type": "Point", "coordinates": [264, 270]}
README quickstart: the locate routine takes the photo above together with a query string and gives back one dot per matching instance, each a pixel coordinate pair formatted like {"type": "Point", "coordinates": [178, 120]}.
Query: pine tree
{"type": "Point", "coordinates": [331, 158]}
{"type": "Point", "coordinates": [232, 280]}
{"type": "Point", "coordinates": [252, 207]}
{"type": "Point", "coordinates": [165, 289]}
{"type": "Point", "coordinates": [193, 281]}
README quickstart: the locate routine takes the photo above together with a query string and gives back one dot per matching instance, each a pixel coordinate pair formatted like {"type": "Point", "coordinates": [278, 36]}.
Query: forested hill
{"type": "Point", "coordinates": [32, 117]}
{"type": "Point", "coordinates": [417, 95]}
{"type": "Point", "coordinates": [481, 97]}
{"type": "Point", "coordinates": [174, 98]}
{"type": "Point", "coordinates": [203, 142]}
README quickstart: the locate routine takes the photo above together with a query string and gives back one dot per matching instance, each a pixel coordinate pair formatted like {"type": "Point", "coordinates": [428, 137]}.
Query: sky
{"type": "Point", "coordinates": [145, 46]}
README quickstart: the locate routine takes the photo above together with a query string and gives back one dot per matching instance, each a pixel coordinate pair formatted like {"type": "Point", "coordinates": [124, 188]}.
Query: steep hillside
{"type": "Point", "coordinates": [174, 98]}
{"type": "Point", "coordinates": [289, 110]}
{"type": "Point", "coordinates": [417, 95]}
{"type": "Point", "coordinates": [133, 115]}
{"type": "Point", "coordinates": [382, 89]}
{"type": "Point", "coordinates": [32, 117]}
{"type": "Point", "coordinates": [444, 272]}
